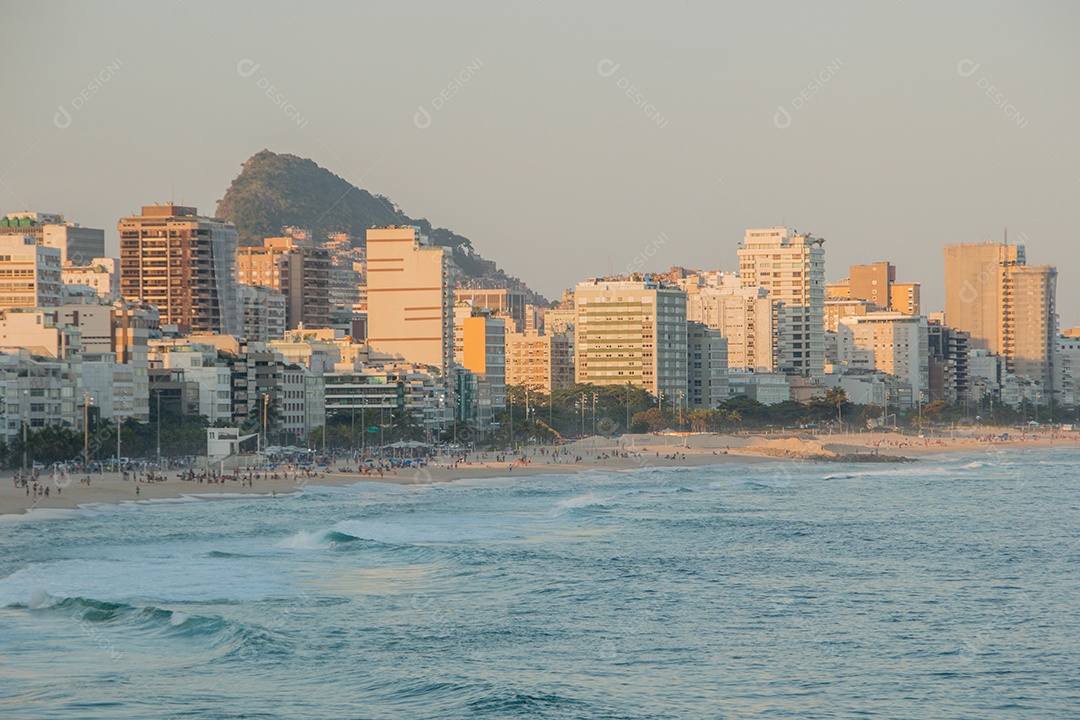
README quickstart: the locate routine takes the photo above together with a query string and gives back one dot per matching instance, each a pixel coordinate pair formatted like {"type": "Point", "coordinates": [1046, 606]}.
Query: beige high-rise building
{"type": "Point", "coordinates": [410, 298]}
{"type": "Point", "coordinates": [1007, 306]}
{"type": "Point", "coordinates": [539, 361]}
{"type": "Point", "coordinates": [1029, 348]}
{"type": "Point", "coordinates": [173, 258]}
{"type": "Point", "coordinates": [631, 332]}
{"type": "Point", "coordinates": [872, 282]}
{"type": "Point", "coordinates": [876, 283]}
{"type": "Point", "coordinates": [975, 290]}
{"type": "Point", "coordinates": [30, 273]}
{"type": "Point", "coordinates": [295, 267]}
{"type": "Point", "coordinates": [906, 298]}
{"type": "Point", "coordinates": [792, 268]}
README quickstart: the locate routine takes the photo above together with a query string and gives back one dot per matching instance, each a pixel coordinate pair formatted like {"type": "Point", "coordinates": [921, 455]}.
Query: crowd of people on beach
{"type": "Point", "coordinates": [39, 483]}
{"type": "Point", "coordinates": [29, 482]}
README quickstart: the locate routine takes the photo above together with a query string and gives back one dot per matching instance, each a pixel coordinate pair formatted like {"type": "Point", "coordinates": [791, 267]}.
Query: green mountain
{"type": "Point", "coordinates": [275, 191]}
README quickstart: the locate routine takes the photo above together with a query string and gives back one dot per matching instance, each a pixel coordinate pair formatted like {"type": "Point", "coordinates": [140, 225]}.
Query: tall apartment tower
{"type": "Point", "coordinates": [792, 268]}
{"type": "Point", "coordinates": [537, 361]}
{"type": "Point", "coordinates": [706, 367]}
{"type": "Point", "coordinates": [1029, 347]}
{"type": "Point", "coordinates": [484, 353]}
{"type": "Point", "coordinates": [173, 258]}
{"type": "Point", "coordinates": [295, 267]}
{"type": "Point", "coordinates": [1007, 306]}
{"type": "Point", "coordinates": [631, 332]}
{"type": "Point", "coordinates": [746, 316]}
{"type": "Point", "coordinates": [410, 298]}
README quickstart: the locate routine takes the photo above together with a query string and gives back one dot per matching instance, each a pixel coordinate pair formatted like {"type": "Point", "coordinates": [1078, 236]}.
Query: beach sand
{"type": "Point", "coordinates": [596, 453]}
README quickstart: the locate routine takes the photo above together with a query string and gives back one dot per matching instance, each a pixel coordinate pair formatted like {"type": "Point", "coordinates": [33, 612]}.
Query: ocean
{"type": "Point", "coordinates": [946, 588]}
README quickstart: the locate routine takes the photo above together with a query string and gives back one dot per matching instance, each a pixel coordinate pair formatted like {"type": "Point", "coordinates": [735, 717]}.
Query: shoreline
{"type": "Point", "coordinates": [598, 454]}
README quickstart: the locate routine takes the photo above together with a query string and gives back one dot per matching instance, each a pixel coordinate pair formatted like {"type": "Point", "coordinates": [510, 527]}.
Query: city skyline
{"type": "Point", "coordinates": [537, 358]}
{"type": "Point", "coordinates": [920, 127]}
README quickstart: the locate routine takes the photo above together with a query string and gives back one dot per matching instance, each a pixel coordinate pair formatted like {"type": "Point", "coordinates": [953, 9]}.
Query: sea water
{"type": "Point", "coordinates": [946, 588]}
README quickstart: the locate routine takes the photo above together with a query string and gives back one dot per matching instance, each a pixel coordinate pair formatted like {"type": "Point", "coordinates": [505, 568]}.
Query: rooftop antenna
{"type": "Point", "coordinates": [1006, 235]}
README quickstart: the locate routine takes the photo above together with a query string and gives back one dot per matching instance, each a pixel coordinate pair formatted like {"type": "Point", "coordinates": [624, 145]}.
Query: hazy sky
{"type": "Point", "coordinates": [566, 138]}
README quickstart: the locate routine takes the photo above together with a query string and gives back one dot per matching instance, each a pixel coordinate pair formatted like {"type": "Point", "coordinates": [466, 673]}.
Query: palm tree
{"type": "Point", "coordinates": [837, 396]}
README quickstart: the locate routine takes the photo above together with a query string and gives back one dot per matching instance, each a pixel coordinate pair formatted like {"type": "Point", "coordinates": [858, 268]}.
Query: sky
{"type": "Point", "coordinates": [569, 139]}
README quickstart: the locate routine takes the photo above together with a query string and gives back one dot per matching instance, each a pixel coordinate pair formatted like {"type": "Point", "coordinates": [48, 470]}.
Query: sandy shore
{"type": "Point", "coordinates": [596, 454]}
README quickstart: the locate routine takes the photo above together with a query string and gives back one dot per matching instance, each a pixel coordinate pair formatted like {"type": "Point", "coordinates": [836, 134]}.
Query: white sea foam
{"type": "Point", "coordinates": [305, 540]}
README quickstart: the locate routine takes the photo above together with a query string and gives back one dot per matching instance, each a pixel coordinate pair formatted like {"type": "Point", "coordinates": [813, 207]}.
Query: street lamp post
{"type": "Point", "coordinates": [511, 421]}
{"type": "Point", "coordinates": [159, 429]}
{"type": "Point", "coordinates": [582, 414]}
{"type": "Point", "coordinates": [551, 406]}
{"type": "Point", "coordinates": [25, 419]}
{"type": "Point", "coordinates": [87, 401]}
{"type": "Point", "coordinates": [594, 413]}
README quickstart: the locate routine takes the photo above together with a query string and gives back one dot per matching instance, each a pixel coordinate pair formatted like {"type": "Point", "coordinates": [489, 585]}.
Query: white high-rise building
{"type": "Point", "coordinates": [746, 316]}
{"type": "Point", "coordinates": [1067, 370]}
{"type": "Point", "coordinates": [30, 274]}
{"type": "Point", "coordinates": [891, 342]}
{"type": "Point", "coordinates": [791, 267]}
